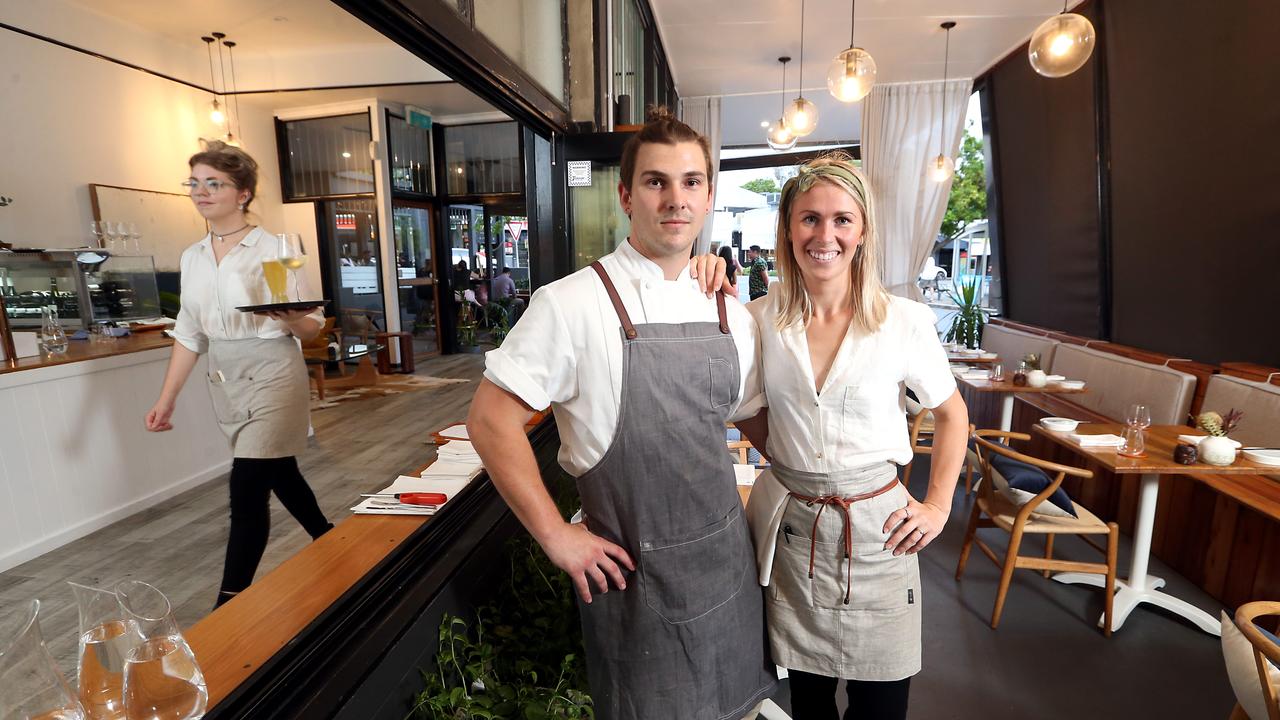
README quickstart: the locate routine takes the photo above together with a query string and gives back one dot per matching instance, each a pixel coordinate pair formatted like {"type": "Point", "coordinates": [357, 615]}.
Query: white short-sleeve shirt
{"type": "Point", "coordinates": [212, 292]}
{"type": "Point", "coordinates": [859, 417]}
{"type": "Point", "coordinates": [566, 351]}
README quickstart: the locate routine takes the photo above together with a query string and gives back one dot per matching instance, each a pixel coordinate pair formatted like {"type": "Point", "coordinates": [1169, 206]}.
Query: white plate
{"type": "Point", "coordinates": [1263, 457]}
{"type": "Point", "coordinates": [987, 355]}
{"type": "Point", "coordinates": [1055, 378]}
{"type": "Point", "coordinates": [1072, 384]}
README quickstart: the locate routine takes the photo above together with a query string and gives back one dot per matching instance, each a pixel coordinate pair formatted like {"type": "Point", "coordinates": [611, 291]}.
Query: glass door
{"type": "Point", "coordinates": [415, 276]}
{"type": "Point", "coordinates": [349, 231]}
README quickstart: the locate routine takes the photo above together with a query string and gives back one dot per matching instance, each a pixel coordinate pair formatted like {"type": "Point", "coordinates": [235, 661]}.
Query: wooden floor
{"type": "Point", "coordinates": [359, 446]}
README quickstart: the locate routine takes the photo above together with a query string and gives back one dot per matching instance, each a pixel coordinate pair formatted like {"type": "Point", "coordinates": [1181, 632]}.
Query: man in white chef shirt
{"type": "Point", "coordinates": [567, 354]}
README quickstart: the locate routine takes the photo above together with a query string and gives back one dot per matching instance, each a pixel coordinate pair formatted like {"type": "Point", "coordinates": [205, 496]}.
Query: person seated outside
{"type": "Point", "coordinates": [505, 287]}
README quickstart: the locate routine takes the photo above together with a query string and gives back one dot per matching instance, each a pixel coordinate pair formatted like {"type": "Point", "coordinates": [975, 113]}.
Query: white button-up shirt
{"type": "Point", "coordinates": [212, 292]}
{"type": "Point", "coordinates": [858, 418]}
{"type": "Point", "coordinates": [566, 351]}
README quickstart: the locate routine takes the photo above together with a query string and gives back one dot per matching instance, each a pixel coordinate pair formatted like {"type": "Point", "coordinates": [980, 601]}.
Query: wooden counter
{"type": "Point", "coordinates": [79, 350]}
{"type": "Point", "coordinates": [342, 589]}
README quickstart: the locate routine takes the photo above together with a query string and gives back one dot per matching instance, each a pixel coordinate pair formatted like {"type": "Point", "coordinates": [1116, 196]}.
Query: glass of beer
{"type": "Point", "coordinates": [293, 255]}
{"type": "Point", "coordinates": [277, 280]}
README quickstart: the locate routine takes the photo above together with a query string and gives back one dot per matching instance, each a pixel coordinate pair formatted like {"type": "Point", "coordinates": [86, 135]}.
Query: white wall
{"type": "Point", "coordinates": [69, 120]}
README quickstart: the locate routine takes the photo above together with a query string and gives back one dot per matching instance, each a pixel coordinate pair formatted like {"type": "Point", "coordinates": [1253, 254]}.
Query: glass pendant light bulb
{"type": "Point", "coordinates": [780, 137]}
{"type": "Point", "coordinates": [231, 140]}
{"type": "Point", "coordinates": [216, 116]}
{"type": "Point", "coordinates": [1061, 45]}
{"type": "Point", "coordinates": [851, 75]}
{"type": "Point", "coordinates": [941, 168]}
{"type": "Point", "coordinates": [801, 117]}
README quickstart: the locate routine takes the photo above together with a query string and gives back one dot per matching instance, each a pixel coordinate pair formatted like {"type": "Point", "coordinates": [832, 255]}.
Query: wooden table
{"type": "Point", "coordinates": [1140, 587]}
{"type": "Point", "coordinates": [78, 350]}
{"type": "Point", "coordinates": [972, 359]}
{"type": "Point", "coordinates": [1007, 388]}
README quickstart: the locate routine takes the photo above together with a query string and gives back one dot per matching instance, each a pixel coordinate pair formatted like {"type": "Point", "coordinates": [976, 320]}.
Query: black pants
{"type": "Point", "coordinates": [252, 482]}
{"type": "Point", "coordinates": [813, 697]}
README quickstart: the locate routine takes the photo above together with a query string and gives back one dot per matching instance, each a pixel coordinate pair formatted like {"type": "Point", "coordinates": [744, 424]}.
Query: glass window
{"type": "Point", "coordinates": [628, 64]}
{"type": "Point", "coordinates": [410, 150]}
{"type": "Point", "coordinates": [531, 33]}
{"type": "Point", "coordinates": [483, 159]}
{"type": "Point", "coordinates": [328, 156]}
{"type": "Point", "coordinates": [599, 225]}
{"type": "Point", "coordinates": [415, 281]}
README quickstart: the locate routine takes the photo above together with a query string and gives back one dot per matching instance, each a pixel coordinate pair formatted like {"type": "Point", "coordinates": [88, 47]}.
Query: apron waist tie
{"type": "Point", "coordinates": [843, 503]}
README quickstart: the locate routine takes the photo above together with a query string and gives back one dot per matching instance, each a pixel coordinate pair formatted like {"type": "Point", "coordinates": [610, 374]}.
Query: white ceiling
{"type": "Point", "coordinates": [731, 49]}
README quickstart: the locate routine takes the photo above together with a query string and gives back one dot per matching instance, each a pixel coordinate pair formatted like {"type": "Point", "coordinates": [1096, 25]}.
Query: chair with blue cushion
{"type": "Point", "coordinates": [1022, 495]}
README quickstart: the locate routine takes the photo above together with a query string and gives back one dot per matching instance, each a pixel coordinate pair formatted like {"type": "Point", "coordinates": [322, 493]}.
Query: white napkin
{"type": "Point", "coordinates": [450, 486]}
{"type": "Point", "coordinates": [455, 432]}
{"type": "Point", "coordinates": [745, 474]}
{"type": "Point", "coordinates": [1105, 440]}
{"type": "Point", "coordinates": [974, 375]}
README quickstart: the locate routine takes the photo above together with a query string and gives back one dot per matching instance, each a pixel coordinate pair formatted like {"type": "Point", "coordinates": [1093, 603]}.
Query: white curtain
{"type": "Point", "coordinates": [703, 114]}
{"type": "Point", "coordinates": [903, 129]}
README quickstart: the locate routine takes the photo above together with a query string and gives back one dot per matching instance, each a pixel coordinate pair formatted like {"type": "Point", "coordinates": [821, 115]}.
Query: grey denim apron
{"type": "Point", "coordinates": [686, 639]}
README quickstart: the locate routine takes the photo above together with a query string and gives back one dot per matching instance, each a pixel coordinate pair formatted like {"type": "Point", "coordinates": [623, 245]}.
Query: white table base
{"type": "Point", "coordinates": [1006, 412]}
{"type": "Point", "coordinates": [1139, 587]}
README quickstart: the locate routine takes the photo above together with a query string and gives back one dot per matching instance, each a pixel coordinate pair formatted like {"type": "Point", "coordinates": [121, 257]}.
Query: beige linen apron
{"type": "Point", "coordinates": [260, 395]}
{"type": "Point", "coordinates": [858, 620]}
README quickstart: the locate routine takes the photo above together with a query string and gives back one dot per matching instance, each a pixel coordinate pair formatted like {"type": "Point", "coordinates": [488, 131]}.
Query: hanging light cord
{"type": "Point", "coordinates": [213, 85]}
{"type": "Point", "coordinates": [235, 88]}
{"type": "Point", "coordinates": [800, 89]}
{"type": "Point", "coordinates": [853, 19]}
{"type": "Point", "coordinates": [946, 60]}
{"type": "Point", "coordinates": [223, 69]}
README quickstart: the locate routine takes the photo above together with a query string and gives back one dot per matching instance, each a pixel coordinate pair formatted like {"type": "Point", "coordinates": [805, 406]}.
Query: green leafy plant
{"type": "Point", "coordinates": [498, 315]}
{"type": "Point", "coordinates": [466, 325]}
{"type": "Point", "coordinates": [969, 318]}
{"type": "Point", "coordinates": [521, 657]}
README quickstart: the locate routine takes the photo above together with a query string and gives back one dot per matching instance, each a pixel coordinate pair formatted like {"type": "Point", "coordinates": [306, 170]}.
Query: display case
{"type": "Point", "coordinates": [86, 287]}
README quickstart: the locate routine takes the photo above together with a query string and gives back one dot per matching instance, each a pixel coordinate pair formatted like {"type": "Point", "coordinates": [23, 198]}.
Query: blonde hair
{"type": "Point", "coordinates": [869, 299]}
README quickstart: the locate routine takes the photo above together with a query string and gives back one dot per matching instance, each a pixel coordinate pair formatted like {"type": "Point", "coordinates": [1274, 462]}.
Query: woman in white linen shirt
{"type": "Point", "coordinates": [257, 377]}
{"type": "Point", "coordinates": [836, 534]}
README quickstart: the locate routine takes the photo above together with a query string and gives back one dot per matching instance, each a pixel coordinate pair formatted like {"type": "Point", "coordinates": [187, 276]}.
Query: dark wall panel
{"type": "Point", "coordinates": [1195, 171]}
{"type": "Point", "coordinates": [1045, 154]}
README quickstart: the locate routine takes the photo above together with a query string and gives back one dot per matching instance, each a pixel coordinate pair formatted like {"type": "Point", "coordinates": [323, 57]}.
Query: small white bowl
{"type": "Point", "coordinates": [1059, 424]}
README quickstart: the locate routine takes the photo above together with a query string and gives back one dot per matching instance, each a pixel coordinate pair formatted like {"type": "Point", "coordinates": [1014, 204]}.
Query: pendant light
{"type": "Point", "coordinates": [780, 137]}
{"type": "Point", "coordinates": [942, 167]}
{"type": "Point", "coordinates": [1062, 44]}
{"type": "Point", "coordinates": [852, 72]}
{"type": "Point", "coordinates": [230, 137]}
{"type": "Point", "coordinates": [801, 115]}
{"type": "Point", "coordinates": [216, 115]}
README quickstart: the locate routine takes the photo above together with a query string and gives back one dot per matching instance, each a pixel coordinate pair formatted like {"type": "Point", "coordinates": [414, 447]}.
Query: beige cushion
{"type": "Point", "coordinates": [1013, 345]}
{"type": "Point", "coordinates": [1259, 401]}
{"type": "Point", "coordinates": [1114, 383]}
{"type": "Point", "coordinates": [1242, 670]}
{"type": "Point", "coordinates": [1003, 512]}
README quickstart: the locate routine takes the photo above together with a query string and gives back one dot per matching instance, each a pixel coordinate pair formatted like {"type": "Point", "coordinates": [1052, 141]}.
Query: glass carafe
{"type": "Point", "coordinates": [52, 337]}
{"type": "Point", "coordinates": [106, 636]}
{"type": "Point", "coordinates": [161, 678]}
{"type": "Point", "coordinates": [31, 685]}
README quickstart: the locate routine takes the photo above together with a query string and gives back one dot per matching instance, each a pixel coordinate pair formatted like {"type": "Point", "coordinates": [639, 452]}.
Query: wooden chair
{"type": "Point", "coordinates": [1019, 521]}
{"type": "Point", "coordinates": [1264, 651]}
{"type": "Point", "coordinates": [920, 434]}
{"type": "Point", "coordinates": [739, 448]}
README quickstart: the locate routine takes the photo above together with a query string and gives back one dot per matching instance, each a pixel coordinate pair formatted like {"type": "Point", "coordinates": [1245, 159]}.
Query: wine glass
{"type": "Point", "coordinates": [97, 228]}
{"type": "Point", "coordinates": [109, 230]}
{"type": "Point", "coordinates": [293, 255]}
{"type": "Point", "coordinates": [136, 237]}
{"type": "Point", "coordinates": [1139, 416]}
{"type": "Point", "coordinates": [122, 232]}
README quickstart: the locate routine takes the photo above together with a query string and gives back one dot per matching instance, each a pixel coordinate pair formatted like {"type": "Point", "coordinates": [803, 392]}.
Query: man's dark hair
{"type": "Point", "coordinates": [506, 271]}
{"type": "Point", "coordinates": [661, 126]}
{"type": "Point", "coordinates": [754, 248]}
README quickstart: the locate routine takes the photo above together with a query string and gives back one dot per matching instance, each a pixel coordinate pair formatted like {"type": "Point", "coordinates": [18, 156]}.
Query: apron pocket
{"type": "Point", "coordinates": [689, 576]}
{"type": "Point", "coordinates": [879, 578]}
{"type": "Point", "coordinates": [789, 583]}
{"type": "Point", "coordinates": [722, 382]}
{"type": "Point", "coordinates": [229, 400]}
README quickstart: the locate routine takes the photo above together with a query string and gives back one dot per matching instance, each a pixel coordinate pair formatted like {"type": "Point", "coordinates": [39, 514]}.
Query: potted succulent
{"type": "Point", "coordinates": [970, 318]}
{"type": "Point", "coordinates": [1218, 449]}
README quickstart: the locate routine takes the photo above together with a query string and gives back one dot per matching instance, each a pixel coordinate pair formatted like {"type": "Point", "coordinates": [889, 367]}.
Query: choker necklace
{"type": "Point", "coordinates": [223, 237]}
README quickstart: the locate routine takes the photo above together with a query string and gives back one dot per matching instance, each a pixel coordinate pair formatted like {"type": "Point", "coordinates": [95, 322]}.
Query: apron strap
{"type": "Point", "coordinates": [627, 327]}
{"type": "Point", "coordinates": [724, 316]}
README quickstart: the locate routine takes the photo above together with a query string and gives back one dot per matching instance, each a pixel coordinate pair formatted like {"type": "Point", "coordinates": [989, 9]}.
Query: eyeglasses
{"type": "Point", "coordinates": [213, 185]}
